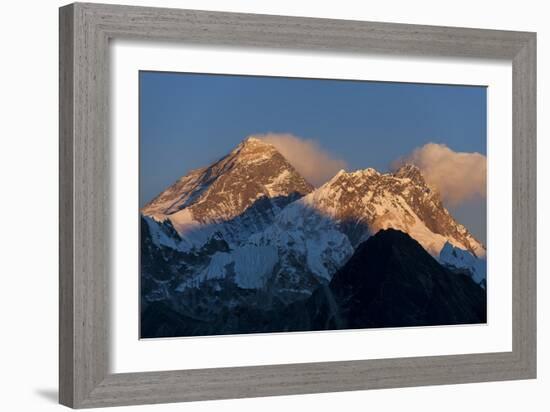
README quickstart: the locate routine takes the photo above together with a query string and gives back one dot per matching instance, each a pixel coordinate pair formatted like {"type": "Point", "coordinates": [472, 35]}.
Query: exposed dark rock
{"type": "Point", "coordinates": [252, 210]}
{"type": "Point", "coordinates": [392, 281]}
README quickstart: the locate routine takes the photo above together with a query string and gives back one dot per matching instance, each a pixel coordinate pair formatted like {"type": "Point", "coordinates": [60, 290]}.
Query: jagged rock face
{"type": "Point", "coordinates": [426, 203]}
{"type": "Point", "coordinates": [390, 281]}
{"type": "Point", "coordinates": [209, 216]}
{"type": "Point", "coordinates": [224, 190]}
{"type": "Point", "coordinates": [365, 201]}
{"type": "Point", "coordinates": [247, 239]}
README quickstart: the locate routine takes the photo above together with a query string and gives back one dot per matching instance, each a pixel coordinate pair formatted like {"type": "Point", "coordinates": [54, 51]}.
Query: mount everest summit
{"type": "Point", "coordinates": [246, 244]}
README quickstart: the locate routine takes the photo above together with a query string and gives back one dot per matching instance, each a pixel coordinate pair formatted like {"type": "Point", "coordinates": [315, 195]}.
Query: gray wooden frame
{"type": "Point", "coordinates": [85, 31]}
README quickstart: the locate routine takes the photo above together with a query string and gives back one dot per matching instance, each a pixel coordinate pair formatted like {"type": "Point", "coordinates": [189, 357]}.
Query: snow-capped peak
{"type": "Point", "coordinates": [408, 169]}
{"type": "Point", "coordinates": [412, 172]}
{"type": "Point", "coordinates": [254, 145]}
{"type": "Point", "coordinates": [250, 174]}
{"type": "Point", "coordinates": [365, 201]}
{"type": "Point", "coordinates": [251, 217]}
{"type": "Point", "coordinates": [343, 176]}
{"type": "Point", "coordinates": [254, 140]}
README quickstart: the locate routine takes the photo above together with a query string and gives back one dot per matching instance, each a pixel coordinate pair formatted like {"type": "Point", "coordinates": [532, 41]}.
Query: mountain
{"type": "Point", "coordinates": [463, 261]}
{"type": "Point", "coordinates": [300, 250]}
{"type": "Point", "coordinates": [198, 228]}
{"type": "Point", "coordinates": [391, 281]}
{"type": "Point", "coordinates": [366, 201]}
{"type": "Point", "coordinates": [242, 191]}
{"type": "Point", "coordinates": [248, 234]}
{"type": "Point", "coordinates": [313, 236]}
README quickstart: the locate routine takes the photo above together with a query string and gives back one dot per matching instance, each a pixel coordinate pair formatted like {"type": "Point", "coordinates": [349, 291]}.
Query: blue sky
{"type": "Point", "coordinates": [190, 120]}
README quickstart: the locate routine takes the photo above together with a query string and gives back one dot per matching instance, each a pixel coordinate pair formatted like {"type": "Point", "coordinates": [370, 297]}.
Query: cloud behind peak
{"type": "Point", "coordinates": [459, 176]}
{"type": "Point", "coordinates": [314, 163]}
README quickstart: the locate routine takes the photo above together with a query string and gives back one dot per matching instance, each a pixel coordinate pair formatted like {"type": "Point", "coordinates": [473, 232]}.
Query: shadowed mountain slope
{"type": "Point", "coordinates": [391, 281]}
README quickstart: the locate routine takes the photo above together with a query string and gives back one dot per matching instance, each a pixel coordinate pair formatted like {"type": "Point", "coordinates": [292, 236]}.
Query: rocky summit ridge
{"type": "Point", "coordinates": [249, 229]}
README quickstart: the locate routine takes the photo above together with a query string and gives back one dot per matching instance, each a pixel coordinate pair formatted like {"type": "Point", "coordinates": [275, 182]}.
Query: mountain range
{"type": "Point", "coordinates": [248, 245]}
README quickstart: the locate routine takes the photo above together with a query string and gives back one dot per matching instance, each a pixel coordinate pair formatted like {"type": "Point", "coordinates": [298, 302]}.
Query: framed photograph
{"type": "Point", "coordinates": [256, 205]}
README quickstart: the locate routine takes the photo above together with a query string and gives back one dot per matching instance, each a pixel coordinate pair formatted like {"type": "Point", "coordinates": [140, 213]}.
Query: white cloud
{"type": "Point", "coordinates": [459, 176]}
{"type": "Point", "coordinates": [315, 164]}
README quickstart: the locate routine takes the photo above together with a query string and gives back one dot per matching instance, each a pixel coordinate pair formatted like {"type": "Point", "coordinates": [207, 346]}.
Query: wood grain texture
{"type": "Point", "coordinates": [85, 31]}
{"type": "Point", "coordinates": [66, 229]}
{"type": "Point", "coordinates": [83, 344]}
{"type": "Point", "coordinates": [524, 225]}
